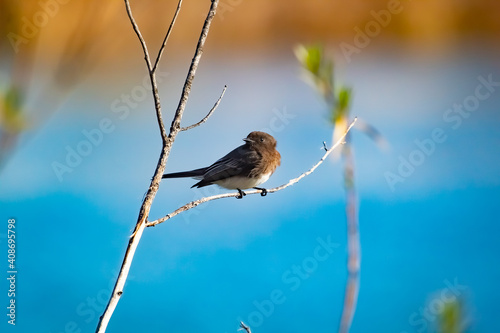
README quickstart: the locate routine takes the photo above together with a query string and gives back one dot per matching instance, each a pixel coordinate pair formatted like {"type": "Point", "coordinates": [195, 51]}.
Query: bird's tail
{"type": "Point", "coordinates": [192, 173]}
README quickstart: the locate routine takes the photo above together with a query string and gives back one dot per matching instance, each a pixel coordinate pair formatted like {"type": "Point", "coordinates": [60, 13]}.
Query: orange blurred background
{"type": "Point", "coordinates": [57, 44]}
{"type": "Point", "coordinates": [75, 30]}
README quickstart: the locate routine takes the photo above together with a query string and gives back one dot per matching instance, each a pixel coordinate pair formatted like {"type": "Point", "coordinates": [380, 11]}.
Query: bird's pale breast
{"type": "Point", "coordinates": [242, 182]}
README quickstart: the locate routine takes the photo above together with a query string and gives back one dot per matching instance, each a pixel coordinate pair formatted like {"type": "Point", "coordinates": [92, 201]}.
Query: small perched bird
{"type": "Point", "coordinates": [247, 166]}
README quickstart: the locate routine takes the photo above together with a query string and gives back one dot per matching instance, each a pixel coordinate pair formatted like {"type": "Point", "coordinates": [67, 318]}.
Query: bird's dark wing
{"type": "Point", "coordinates": [238, 162]}
{"type": "Point", "coordinates": [193, 173]}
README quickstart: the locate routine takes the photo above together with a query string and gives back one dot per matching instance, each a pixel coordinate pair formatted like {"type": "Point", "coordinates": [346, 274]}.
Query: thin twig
{"type": "Point", "coordinates": [154, 85]}
{"type": "Point", "coordinates": [209, 113]}
{"type": "Point", "coordinates": [176, 123]}
{"type": "Point", "coordinates": [160, 52]}
{"type": "Point", "coordinates": [139, 35]}
{"type": "Point", "coordinates": [244, 327]}
{"type": "Point", "coordinates": [195, 203]}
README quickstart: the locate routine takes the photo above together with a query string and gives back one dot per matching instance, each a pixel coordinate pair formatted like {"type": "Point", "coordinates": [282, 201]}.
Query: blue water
{"type": "Point", "coordinates": [234, 260]}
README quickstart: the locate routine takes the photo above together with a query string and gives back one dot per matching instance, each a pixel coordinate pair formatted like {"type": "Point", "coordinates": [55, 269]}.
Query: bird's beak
{"type": "Point", "coordinates": [248, 140]}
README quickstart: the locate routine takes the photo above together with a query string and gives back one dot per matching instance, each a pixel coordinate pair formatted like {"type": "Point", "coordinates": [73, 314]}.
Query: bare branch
{"type": "Point", "coordinates": [152, 77]}
{"type": "Point", "coordinates": [209, 113]}
{"type": "Point", "coordinates": [244, 327]}
{"type": "Point", "coordinates": [122, 278]}
{"type": "Point", "coordinates": [160, 52]}
{"type": "Point", "coordinates": [195, 203]}
{"type": "Point", "coordinates": [166, 147]}
{"type": "Point", "coordinates": [176, 123]}
{"type": "Point", "coordinates": [139, 35]}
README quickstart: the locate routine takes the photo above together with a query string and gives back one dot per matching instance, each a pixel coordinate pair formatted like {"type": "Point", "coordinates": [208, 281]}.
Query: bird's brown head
{"type": "Point", "coordinates": [261, 140]}
{"type": "Point", "coordinates": [265, 146]}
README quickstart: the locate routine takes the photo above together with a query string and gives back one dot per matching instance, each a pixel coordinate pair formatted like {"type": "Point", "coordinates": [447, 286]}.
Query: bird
{"type": "Point", "coordinates": [247, 166]}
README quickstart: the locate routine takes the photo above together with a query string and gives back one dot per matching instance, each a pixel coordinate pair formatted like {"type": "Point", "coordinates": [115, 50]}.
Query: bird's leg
{"type": "Point", "coordinates": [242, 194]}
{"type": "Point", "coordinates": [264, 191]}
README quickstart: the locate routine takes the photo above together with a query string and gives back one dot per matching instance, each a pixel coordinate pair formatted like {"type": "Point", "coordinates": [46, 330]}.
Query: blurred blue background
{"type": "Point", "coordinates": [255, 259]}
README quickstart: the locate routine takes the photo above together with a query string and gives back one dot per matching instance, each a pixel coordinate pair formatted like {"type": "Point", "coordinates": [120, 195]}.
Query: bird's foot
{"type": "Point", "coordinates": [242, 194]}
{"type": "Point", "coordinates": [264, 191]}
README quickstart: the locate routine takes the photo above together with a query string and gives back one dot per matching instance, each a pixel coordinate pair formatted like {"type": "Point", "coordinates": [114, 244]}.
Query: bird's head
{"type": "Point", "coordinates": [260, 139]}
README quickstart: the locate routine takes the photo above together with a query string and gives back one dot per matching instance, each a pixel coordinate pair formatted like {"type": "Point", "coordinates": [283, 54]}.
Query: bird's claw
{"type": "Point", "coordinates": [264, 191]}
{"type": "Point", "coordinates": [241, 194]}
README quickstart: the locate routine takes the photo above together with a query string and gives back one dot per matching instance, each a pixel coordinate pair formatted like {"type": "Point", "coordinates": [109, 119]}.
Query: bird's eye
{"type": "Point", "coordinates": [261, 139]}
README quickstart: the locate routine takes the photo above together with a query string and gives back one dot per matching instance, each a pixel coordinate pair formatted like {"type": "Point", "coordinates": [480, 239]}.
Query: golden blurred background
{"type": "Point", "coordinates": [73, 30]}
{"type": "Point", "coordinates": [57, 43]}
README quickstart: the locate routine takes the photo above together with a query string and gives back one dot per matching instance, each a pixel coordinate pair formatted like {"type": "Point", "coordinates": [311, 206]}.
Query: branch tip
{"type": "Point", "coordinates": [182, 129]}
{"type": "Point", "coordinates": [244, 327]}
{"type": "Point", "coordinates": [192, 68]}
{"type": "Point", "coordinates": [160, 51]}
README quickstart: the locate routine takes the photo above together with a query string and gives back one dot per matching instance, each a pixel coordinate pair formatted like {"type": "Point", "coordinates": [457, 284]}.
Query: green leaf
{"type": "Point", "coordinates": [344, 98]}
{"type": "Point", "coordinates": [310, 58]}
{"type": "Point", "coordinates": [313, 60]}
{"type": "Point", "coordinates": [13, 99]}
{"type": "Point", "coordinates": [11, 109]}
{"type": "Point", "coordinates": [321, 71]}
{"type": "Point", "coordinates": [450, 318]}
{"type": "Point", "coordinates": [342, 104]}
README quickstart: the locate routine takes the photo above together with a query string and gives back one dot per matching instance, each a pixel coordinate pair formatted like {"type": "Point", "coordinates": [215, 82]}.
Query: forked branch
{"type": "Point", "coordinates": [167, 141]}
